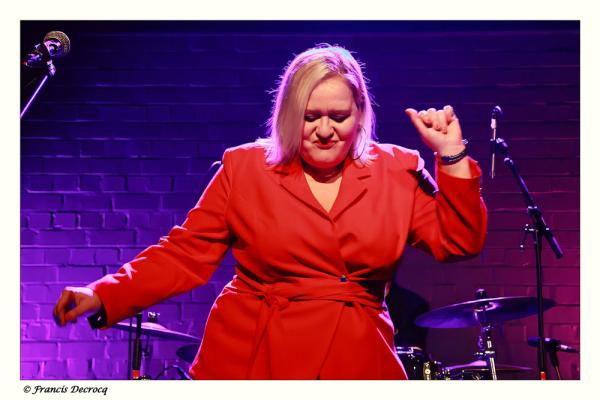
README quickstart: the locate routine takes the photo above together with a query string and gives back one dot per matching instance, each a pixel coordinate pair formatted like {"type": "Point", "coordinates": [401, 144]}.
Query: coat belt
{"type": "Point", "coordinates": [277, 296]}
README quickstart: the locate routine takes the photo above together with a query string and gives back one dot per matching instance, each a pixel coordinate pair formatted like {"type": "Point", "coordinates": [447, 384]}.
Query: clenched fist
{"type": "Point", "coordinates": [439, 129]}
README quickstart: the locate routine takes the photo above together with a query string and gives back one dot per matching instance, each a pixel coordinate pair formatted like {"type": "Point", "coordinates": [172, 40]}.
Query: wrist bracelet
{"type": "Point", "coordinates": [449, 160]}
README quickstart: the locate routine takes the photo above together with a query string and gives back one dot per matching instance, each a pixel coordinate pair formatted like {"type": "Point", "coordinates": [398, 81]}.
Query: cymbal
{"type": "Point", "coordinates": [481, 366]}
{"type": "Point", "coordinates": [157, 330]}
{"type": "Point", "coordinates": [188, 352]}
{"type": "Point", "coordinates": [498, 309]}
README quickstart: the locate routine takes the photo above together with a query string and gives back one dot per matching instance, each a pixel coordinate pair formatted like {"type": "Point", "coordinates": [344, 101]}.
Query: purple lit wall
{"type": "Point", "coordinates": [115, 149]}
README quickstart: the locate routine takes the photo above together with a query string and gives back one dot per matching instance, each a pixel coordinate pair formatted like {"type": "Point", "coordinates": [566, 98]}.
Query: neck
{"type": "Point", "coordinates": [323, 175]}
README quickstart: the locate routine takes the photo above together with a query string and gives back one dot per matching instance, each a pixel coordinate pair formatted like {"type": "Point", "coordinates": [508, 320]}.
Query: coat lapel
{"type": "Point", "coordinates": [293, 180]}
{"type": "Point", "coordinates": [351, 189]}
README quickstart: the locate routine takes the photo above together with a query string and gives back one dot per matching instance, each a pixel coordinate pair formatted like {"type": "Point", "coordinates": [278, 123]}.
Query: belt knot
{"type": "Point", "coordinates": [274, 300]}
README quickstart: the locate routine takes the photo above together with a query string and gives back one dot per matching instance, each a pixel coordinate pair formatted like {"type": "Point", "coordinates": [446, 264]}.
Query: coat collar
{"type": "Point", "coordinates": [291, 177]}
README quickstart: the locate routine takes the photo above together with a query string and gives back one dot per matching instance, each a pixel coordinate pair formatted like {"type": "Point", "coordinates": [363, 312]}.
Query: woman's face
{"type": "Point", "coordinates": [331, 123]}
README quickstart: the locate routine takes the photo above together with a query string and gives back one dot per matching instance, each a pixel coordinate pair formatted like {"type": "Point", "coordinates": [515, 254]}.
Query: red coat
{"type": "Point", "coordinates": [307, 298]}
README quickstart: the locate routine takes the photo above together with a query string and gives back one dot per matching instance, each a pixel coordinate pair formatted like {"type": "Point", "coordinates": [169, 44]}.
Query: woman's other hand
{"type": "Point", "coordinates": [75, 302]}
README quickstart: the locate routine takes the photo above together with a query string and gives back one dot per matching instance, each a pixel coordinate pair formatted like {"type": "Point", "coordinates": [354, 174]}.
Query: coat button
{"type": "Point", "coordinates": [343, 278]}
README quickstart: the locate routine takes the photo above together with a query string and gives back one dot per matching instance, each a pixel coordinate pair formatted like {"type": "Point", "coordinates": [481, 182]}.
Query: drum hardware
{"type": "Point", "coordinates": [497, 310]}
{"type": "Point", "coordinates": [413, 360]}
{"type": "Point", "coordinates": [479, 370]}
{"type": "Point", "coordinates": [487, 351]}
{"type": "Point", "coordinates": [484, 312]}
{"type": "Point", "coordinates": [418, 365]}
{"type": "Point", "coordinates": [156, 330]}
{"type": "Point", "coordinates": [434, 371]}
{"type": "Point", "coordinates": [136, 362]}
{"type": "Point", "coordinates": [553, 346]}
{"type": "Point", "coordinates": [151, 328]}
{"type": "Point", "coordinates": [140, 353]}
{"type": "Point", "coordinates": [421, 366]}
{"type": "Point", "coordinates": [183, 375]}
{"type": "Point", "coordinates": [188, 352]}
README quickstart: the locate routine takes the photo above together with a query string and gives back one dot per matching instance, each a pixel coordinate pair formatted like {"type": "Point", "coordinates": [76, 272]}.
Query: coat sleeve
{"type": "Point", "coordinates": [182, 260]}
{"type": "Point", "coordinates": [449, 220]}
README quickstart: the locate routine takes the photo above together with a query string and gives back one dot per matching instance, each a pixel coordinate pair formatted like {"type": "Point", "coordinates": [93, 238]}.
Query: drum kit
{"type": "Point", "coordinates": [420, 366]}
{"type": "Point", "coordinates": [141, 355]}
{"type": "Point", "coordinates": [485, 313]}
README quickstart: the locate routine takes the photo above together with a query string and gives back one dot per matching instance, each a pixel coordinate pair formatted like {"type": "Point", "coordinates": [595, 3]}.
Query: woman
{"type": "Point", "coordinates": [317, 216]}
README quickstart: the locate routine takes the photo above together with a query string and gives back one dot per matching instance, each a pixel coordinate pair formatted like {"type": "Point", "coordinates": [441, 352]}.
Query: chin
{"type": "Point", "coordinates": [326, 162]}
{"type": "Point", "coordinates": [323, 158]}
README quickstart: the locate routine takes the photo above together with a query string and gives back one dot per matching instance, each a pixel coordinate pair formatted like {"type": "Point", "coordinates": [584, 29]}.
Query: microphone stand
{"type": "Point", "coordinates": [539, 229]}
{"type": "Point", "coordinates": [136, 362]}
{"type": "Point", "coordinates": [552, 352]}
{"type": "Point", "coordinates": [554, 346]}
{"type": "Point", "coordinates": [49, 70]}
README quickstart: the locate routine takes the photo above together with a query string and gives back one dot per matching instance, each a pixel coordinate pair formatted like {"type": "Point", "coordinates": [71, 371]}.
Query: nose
{"type": "Point", "coordinates": [324, 132]}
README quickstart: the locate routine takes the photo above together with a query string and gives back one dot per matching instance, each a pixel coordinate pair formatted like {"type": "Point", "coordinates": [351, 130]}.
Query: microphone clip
{"type": "Point", "coordinates": [40, 57]}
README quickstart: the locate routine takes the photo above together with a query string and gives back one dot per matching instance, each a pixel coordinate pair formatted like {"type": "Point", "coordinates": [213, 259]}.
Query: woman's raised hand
{"type": "Point", "coordinates": [439, 129]}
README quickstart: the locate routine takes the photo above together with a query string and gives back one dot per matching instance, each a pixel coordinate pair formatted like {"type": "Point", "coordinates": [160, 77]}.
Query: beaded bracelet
{"type": "Point", "coordinates": [449, 160]}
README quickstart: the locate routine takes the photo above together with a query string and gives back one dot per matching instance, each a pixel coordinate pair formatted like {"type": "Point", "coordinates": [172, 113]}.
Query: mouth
{"type": "Point", "coordinates": [325, 146]}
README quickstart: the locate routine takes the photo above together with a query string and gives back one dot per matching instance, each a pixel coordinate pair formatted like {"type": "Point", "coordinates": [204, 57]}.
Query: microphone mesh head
{"type": "Point", "coordinates": [65, 43]}
{"type": "Point", "coordinates": [496, 112]}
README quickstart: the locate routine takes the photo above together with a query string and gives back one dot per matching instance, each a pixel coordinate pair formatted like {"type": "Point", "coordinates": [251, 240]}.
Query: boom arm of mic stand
{"type": "Point", "coordinates": [50, 71]}
{"type": "Point", "coordinates": [535, 213]}
{"type": "Point", "coordinates": [34, 95]}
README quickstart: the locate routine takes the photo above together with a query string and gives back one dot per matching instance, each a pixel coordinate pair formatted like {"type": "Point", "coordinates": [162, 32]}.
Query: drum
{"type": "Point", "coordinates": [418, 365]}
{"type": "Point", "coordinates": [478, 370]}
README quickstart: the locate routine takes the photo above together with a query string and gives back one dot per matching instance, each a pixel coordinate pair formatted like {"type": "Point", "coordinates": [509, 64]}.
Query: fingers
{"type": "Point", "coordinates": [416, 119]}
{"type": "Point", "coordinates": [74, 302]}
{"type": "Point", "coordinates": [64, 311]}
{"type": "Point", "coordinates": [441, 119]}
{"type": "Point", "coordinates": [432, 118]}
{"type": "Point", "coordinates": [63, 303]}
{"type": "Point", "coordinates": [79, 310]}
{"type": "Point", "coordinates": [450, 116]}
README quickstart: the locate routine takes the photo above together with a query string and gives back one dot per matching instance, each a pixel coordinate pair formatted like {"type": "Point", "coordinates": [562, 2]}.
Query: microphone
{"type": "Point", "coordinates": [552, 344]}
{"type": "Point", "coordinates": [56, 44]}
{"type": "Point", "coordinates": [496, 114]}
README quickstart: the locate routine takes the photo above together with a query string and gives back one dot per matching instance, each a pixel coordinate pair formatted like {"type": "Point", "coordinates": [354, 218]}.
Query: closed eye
{"type": "Point", "coordinates": [339, 118]}
{"type": "Point", "coordinates": [336, 118]}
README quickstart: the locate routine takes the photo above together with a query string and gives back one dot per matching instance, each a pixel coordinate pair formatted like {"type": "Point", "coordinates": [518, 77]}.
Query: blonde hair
{"type": "Point", "coordinates": [300, 77]}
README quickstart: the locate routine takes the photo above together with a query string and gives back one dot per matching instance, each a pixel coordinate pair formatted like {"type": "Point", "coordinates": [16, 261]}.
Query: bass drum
{"type": "Point", "coordinates": [418, 365]}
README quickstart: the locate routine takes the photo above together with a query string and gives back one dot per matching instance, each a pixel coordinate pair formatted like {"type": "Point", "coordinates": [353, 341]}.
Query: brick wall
{"type": "Point", "coordinates": [114, 151]}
